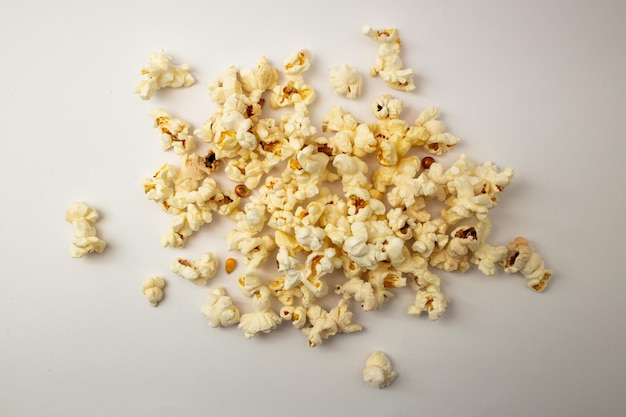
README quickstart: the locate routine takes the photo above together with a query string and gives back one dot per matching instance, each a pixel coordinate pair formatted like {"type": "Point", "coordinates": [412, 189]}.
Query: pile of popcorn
{"type": "Point", "coordinates": [307, 199]}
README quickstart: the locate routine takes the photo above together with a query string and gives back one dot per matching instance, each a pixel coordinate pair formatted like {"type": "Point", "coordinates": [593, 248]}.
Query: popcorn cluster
{"type": "Point", "coordinates": [83, 218]}
{"type": "Point", "coordinates": [308, 201]}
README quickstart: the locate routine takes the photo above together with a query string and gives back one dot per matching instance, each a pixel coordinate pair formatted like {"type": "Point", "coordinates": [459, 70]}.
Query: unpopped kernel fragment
{"type": "Point", "coordinates": [153, 290]}
{"type": "Point", "coordinates": [161, 73]}
{"type": "Point", "coordinates": [83, 218]}
{"type": "Point", "coordinates": [346, 81]}
{"type": "Point", "coordinates": [378, 371]}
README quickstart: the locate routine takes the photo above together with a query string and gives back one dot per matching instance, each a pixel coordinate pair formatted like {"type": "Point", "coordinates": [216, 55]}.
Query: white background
{"type": "Point", "coordinates": [535, 85]}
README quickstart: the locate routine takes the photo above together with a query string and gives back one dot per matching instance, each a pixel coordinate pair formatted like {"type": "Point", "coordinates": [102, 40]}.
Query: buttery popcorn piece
{"type": "Point", "coordinates": [199, 271]}
{"type": "Point", "coordinates": [219, 309]}
{"type": "Point", "coordinates": [522, 258]}
{"type": "Point", "coordinates": [378, 371]}
{"type": "Point", "coordinates": [346, 81]}
{"type": "Point", "coordinates": [83, 218]}
{"type": "Point", "coordinates": [153, 290]}
{"type": "Point", "coordinates": [388, 63]}
{"type": "Point", "coordinates": [174, 132]}
{"type": "Point", "coordinates": [161, 73]}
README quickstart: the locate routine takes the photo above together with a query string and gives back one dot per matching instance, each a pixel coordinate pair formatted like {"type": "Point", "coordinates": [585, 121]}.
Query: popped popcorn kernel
{"type": "Point", "coordinates": [83, 218]}
{"type": "Point", "coordinates": [378, 370]}
{"type": "Point", "coordinates": [388, 64]}
{"type": "Point", "coordinates": [346, 81]}
{"type": "Point", "coordinates": [161, 73]}
{"type": "Point", "coordinates": [153, 290]}
{"type": "Point", "coordinates": [199, 271]}
{"type": "Point", "coordinates": [219, 309]}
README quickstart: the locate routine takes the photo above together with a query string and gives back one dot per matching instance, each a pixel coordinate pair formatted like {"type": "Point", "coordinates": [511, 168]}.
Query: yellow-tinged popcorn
{"type": "Point", "coordinates": [388, 64]}
{"type": "Point", "coordinates": [346, 81]}
{"type": "Point", "coordinates": [82, 218]}
{"type": "Point", "coordinates": [378, 370]}
{"type": "Point", "coordinates": [219, 309]}
{"type": "Point", "coordinates": [371, 234]}
{"type": "Point", "coordinates": [153, 290]}
{"type": "Point", "coordinates": [161, 73]}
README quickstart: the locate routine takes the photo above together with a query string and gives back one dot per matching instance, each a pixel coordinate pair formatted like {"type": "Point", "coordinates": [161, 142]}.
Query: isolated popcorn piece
{"type": "Point", "coordinates": [388, 63]}
{"type": "Point", "coordinates": [83, 218]}
{"type": "Point", "coordinates": [219, 309]}
{"type": "Point", "coordinates": [328, 323]}
{"type": "Point", "coordinates": [378, 370]}
{"type": "Point", "coordinates": [262, 319]}
{"type": "Point", "coordinates": [346, 81]}
{"type": "Point", "coordinates": [298, 62]}
{"type": "Point", "coordinates": [174, 132]}
{"type": "Point", "coordinates": [199, 271]}
{"type": "Point", "coordinates": [161, 73]}
{"type": "Point", "coordinates": [522, 258]}
{"type": "Point", "coordinates": [153, 290]}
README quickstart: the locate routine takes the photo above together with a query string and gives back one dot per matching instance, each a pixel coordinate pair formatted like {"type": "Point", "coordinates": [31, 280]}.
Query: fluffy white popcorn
{"type": "Point", "coordinates": [161, 73]}
{"type": "Point", "coordinates": [174, 132]}
{"type": "Point", "coordinates": [153, 290]}
{"type": "Point", "coordinates": [386, 107]}
{"type": "Point", "coordinates": [82, 218]}
{"type": "Point", "coordinates": [263, 319]}
{"type": "Point", "coordinates": [388, 63]}
{"type": "Point", "coordinates": [382, 230]}
{"type": "Point", "coordinates": [430, 300]}
{"type": "Point", "coordinates": [219, 309]}
{"type": "Point", "coordinates": [296, 314]}
{"type": "Point", "coordinates": [298, 62]}
{"type": "Point", "coordinates": [378, 371]}
{"type": "Point", "coordinates": [328, 323]}
{"type": "Point", "coordinates": [522, 258]}
{"type": "Point", "coordinates": [199, 271]}
{"type": "Point", "coordinates": [346, 81]}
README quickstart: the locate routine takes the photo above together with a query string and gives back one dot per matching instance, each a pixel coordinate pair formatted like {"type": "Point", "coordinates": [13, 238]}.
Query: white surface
{"type": "Point", "coordinates": [538, 86]}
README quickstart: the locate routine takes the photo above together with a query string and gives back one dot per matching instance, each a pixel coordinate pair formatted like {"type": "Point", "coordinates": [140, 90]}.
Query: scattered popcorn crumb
{"type": "Point", "coordinates": [378, 371]}
{"type": "Point", "coordinates": [161, 73]}
{"type": "Point", "coordinates": [153, 290]}
{"type": "Point", "coordinates": [346, 81]}
{"type": "Point", "coordinates": [83, 218]}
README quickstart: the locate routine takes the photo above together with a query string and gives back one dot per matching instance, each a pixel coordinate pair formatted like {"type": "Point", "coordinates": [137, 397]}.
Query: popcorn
{"type": "Point", "coordinates": [388, 63]}
{"type": "Point", "coordinates": [153, 290]}
{"type": "Point", "coordinates": [83, 217]}
{"type": "Point", "coordinates": [328, 323]}
{"type": "Point", "coordinates": [379, 228]}
{"type": "Point", "coordinates": [174, 132]}
{"type": "Point", "coordinates": [198, 272]}
{"type": "Point", "coordinates": [378, 371]}
{"type": "Point", "coordinates": [219, 309]}
{"type": "Point", "coordinates": [263, 319]}
{"type": "Point", "coordinates": [522, 258]}
{"type": "Point", "coordinates": [346, 81]}
{"type": "Point", "coordinates": [160, 73]}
